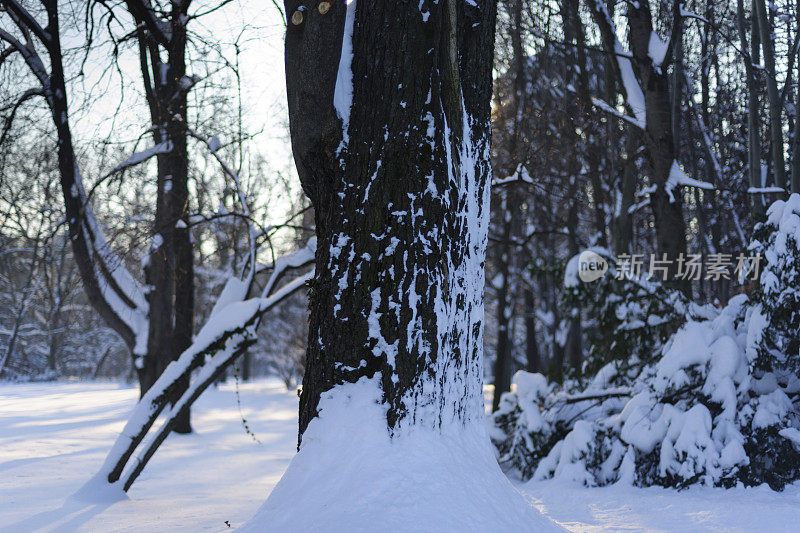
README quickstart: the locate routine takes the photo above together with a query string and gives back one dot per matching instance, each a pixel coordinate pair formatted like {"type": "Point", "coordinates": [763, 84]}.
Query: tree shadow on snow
{"type": "Point", "coordinates": [67, 518]}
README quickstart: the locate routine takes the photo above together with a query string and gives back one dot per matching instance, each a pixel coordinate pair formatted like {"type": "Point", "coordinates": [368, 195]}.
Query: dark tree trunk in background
{"type": "Point", "coordinates": [773, 95]}
{"type": "Point", "coordinates": [753, 128]}
{"type": "Point", "coordinates": [623, 225]}
{"type": "Point", "coordinates": [401, 204]}
{"type": "Point", "coordinates": [502, 368]}
{"type": "Point", "coordinates": [170, 271]}
{"type": "Point", "coordinates": [510, 221]}
{"type": "Point", "coordinates": [534, 358]}
{"type": "Point", "coordinates": [659, 140]}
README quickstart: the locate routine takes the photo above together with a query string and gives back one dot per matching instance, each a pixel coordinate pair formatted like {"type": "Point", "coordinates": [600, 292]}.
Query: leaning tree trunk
{"type": "Point", "coordinates": [391, 142]}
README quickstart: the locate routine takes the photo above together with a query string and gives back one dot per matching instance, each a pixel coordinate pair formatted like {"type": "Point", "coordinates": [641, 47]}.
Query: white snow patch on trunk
{"type": "Point", "coordinates": [656, 49]}
{"type": "Point", "coordinates": [343, 93]}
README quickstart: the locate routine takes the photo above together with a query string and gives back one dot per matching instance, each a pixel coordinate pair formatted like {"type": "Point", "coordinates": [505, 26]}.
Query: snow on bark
{"type": "Point", "coordinates": [634, 97]}
{"type": "Point", "coordinates": [392, 392]}
{"type": "Point", "coordinates": [343, 94]}
{"type": "Point", "coordinates": [454, 388]}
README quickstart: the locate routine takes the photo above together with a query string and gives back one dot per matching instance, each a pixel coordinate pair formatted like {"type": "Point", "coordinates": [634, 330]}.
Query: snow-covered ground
{"type": "Point", "coordinates": [54, 436]}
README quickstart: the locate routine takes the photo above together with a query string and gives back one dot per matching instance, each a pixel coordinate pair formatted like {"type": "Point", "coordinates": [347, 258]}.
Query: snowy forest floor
{"type": "Point", "coordinates": [53, 437]}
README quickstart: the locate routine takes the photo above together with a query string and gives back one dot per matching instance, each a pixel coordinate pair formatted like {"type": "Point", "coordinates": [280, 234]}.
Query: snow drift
{"type": "Point", "coordinates": [350, 474]}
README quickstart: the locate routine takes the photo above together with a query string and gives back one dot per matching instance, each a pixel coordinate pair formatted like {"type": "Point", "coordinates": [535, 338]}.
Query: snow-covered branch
{"type": "Point", "coordinates": [634, 97]}
{"type": "Point", "coordinates": [679, 178]}
{"type": "Point", "coordinates": [140, 157]}
{"type": "Point", "coordinates": [231, 327]}
{"type": "Point", "coordinates": [608, 109]}
{"type": "Point", "coordinates": [521, 174]}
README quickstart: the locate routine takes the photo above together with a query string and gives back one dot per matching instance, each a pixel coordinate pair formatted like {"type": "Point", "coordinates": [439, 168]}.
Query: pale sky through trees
{"type": "Point", "coordinates": [261, 68]}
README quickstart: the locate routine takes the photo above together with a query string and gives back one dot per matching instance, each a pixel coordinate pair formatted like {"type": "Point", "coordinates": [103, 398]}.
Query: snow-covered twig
{"type": "Point", "coordinates": [213, 146]}
{"type": "Point", "coordinates": [521, 174]}
{"type": "Point", "coordinates": [766, 190]}
{"type": "Point", "coordinates": [607, 108]}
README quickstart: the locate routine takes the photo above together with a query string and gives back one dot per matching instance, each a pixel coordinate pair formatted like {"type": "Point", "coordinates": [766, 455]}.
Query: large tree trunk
{"type": "Point", "coordinates": [392, 391]}
{"type": "Point", "coordinates": [398, 181]}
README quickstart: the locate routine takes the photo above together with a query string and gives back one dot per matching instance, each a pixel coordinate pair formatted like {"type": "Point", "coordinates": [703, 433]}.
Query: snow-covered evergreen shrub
{"type": "Point", "coordinates": [521, 434]}
{"type": "Point", "coordinates": [777, 240]}
{"type": "Point", "coordinates": [627, 318]}
{"type": "Point", "coordinates": [716, 407]}
{"type": "Point", "coordinates": [536, 415]}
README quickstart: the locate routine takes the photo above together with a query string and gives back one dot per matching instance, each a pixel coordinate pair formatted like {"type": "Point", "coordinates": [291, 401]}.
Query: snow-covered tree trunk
{"type": "Point", "coordinates": [392, 147]}
{"type": "Point", "coordinates": [390, 134]}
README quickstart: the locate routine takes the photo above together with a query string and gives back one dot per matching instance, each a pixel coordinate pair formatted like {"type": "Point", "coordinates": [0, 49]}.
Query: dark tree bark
{"type": "Point", "coordinates": [658, 139]}
{"type": "Point", "coordinates": [623, 225]}
{"type": "Point", "coordinates": [753, 128]}
{"type": "Point", "coordinates": [170, 270]}
{"type": "Point", "coordinates": [761, 19]}
{"type": "Point", "coordinates": [534, 358]}
{"type": "Point", "coordinates": [510, 221]}
{"type": "Point", "coordinates": [399, 187]}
